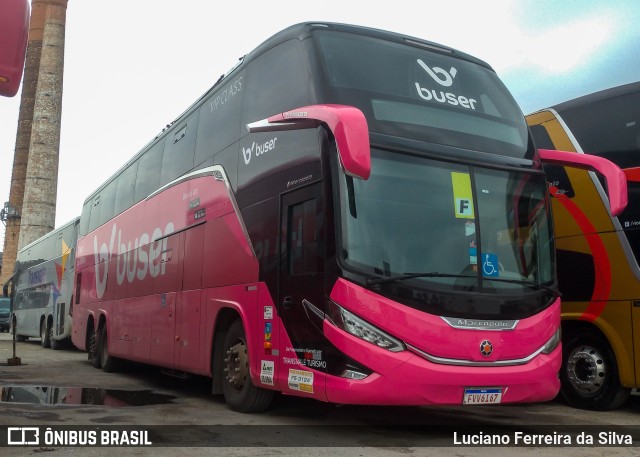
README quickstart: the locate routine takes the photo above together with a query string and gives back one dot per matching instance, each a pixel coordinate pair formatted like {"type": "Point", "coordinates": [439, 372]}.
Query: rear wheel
{"type": "Point", "coordinates": [55, 344]}
{"type": "Point", "coordinates": [239, 392]}
{"type": "Point", "coordinates": [108, 362]}
{"type": "Point", "coordinates": [45, 341]}
{"type": "Point", "coordinates": [92, 346]}
{"type": "Point", "coordinates": [590, 373]}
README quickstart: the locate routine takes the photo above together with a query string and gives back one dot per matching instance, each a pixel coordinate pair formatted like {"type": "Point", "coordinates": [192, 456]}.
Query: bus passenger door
{"type": "Point", "coordinates": [166, 267]}
{"type": "Point", "coordinates": [301, 279]}
{"type": "Point", "coordinates": [190, 321]}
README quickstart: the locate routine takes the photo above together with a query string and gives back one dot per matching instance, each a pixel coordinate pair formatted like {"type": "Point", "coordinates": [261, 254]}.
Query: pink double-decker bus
{"type": "Point", "coordinates": [350, 215]}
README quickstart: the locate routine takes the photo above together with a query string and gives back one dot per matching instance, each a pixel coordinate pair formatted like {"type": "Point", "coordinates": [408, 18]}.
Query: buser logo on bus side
{"type": "Point", "coordinates": [145, 256]}
{"type": "Point", "coordinates": [258, 149]}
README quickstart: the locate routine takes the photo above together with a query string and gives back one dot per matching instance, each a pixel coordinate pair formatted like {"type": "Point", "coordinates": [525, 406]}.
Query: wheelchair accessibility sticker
{"type": "Point", "coordinates": [490, 265]}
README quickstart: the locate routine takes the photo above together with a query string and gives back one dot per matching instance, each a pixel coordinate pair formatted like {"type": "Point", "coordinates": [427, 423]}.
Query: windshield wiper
{"type": "Point", "coordinates": [373, 280]}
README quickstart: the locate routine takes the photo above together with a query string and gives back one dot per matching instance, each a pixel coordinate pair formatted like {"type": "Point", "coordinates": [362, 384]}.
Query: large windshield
{"type": "Point", "coordinates": [481, 230]}
{"type": "Point", "coordinates": [415, 93]}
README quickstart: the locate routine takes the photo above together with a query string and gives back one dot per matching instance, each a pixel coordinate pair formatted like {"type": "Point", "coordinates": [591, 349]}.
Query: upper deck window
{"type": "Point", "coordinates": [609, 128]}
{"type": "Point", "coordinates": [415, 93]}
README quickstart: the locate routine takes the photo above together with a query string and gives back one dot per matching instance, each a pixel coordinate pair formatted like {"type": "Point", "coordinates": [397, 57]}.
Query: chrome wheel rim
{"type": "Point", "coordinates": [586, 369]}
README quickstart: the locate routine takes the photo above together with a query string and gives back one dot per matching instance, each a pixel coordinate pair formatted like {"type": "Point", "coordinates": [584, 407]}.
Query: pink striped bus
{"type": "Point", "coordinates": [349, 215]}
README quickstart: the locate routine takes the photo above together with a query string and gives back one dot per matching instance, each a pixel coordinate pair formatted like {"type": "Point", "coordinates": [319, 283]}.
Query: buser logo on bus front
{"type": "Point", "coordinates": [444, 78]}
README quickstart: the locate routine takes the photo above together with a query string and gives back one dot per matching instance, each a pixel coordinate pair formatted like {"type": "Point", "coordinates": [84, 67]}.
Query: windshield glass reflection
{"type": "Point", "coordinates": [474, 227]}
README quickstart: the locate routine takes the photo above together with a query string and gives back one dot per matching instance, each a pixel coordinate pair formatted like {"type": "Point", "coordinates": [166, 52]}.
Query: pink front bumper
{"type": "Point", "coordinates": [404, 378]}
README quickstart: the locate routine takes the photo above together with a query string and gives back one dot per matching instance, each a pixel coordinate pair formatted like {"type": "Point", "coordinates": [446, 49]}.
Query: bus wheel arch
{"type": "Point", "coordinates": [224, 319]}
{"type": "Point", "coordinates": [589, 375]}
{"type": "Point", "coordinates": [239, 392]}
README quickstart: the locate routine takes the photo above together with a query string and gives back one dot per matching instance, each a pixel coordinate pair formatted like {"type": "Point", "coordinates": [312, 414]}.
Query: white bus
{"type": "Point", "coordinates": [44, 287]}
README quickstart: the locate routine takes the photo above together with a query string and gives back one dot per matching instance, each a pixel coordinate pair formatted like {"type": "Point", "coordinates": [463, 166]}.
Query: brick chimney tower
{"type": "Point", "coordinates": [34, 177]}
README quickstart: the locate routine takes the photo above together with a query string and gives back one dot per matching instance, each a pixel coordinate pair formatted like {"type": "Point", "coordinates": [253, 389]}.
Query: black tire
{"type": "Point", "coordinates": [93, 349]}
{"type": "Point", "coordinates": [55, 344]}
{"type": "Point", "coordinates": [45, 342]}
{"type": "Point", "coordinates": [589, 376]}
{"type": "Point", "coordinates": [108, 362]}
{"type": "Point", "coordinates": [240, 393]}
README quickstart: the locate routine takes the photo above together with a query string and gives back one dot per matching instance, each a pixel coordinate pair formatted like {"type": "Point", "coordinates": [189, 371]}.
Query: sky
{"type": "Point", "coordinates": [133, 66]}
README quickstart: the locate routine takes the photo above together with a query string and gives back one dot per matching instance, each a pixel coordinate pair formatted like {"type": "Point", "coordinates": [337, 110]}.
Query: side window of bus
{"type": "Point", "coordinates": [277, 81]}
{"type": "Point", "coordinates": [557, 179]}
{"type": "Point", "coordinates": [148, 178]}
{"type": "Point", "coordinates": [179, 149]}
{"type": "Point", "coordinates": [107, 202]}
{"type": "Point", "coordinates": [18, 300]}
{"type": "Point", "coordinates": [541, 137]}
{"type": "Point", "coordinates": [40, 252]}
{"type": "Point", "coordinates": [94, 221]}
{"type": "Point", "coordinates": [219, 120]}
{"type": "Point", "coordinates": [85, 217]}
{"type": "Point", "coordinates": [126, 184]}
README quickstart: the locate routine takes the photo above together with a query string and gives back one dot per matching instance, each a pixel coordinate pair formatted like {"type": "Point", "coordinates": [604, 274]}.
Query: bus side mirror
{"type": "Point", "coordinates": [348, 125]}
{"type": "Point", "coordinates": [14, 30]}
{"type": "Point", "coordinates": [632, 174]}
{"type": "Point", "coordinates": [5, 290]}
{"type": "Point", "coordinates": [613, 175]}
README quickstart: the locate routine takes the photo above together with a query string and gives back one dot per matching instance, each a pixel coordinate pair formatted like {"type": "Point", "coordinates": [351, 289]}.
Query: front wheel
{"type": "Point", "coordinates": [45, 341]}
{"type": "Point", "coordinates": [590, 373]}
{"type": "Point", "coordinates": [239, 392]}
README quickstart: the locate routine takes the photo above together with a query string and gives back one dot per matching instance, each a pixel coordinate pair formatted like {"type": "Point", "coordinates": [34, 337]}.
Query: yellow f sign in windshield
{"type": "Point", "coordinates": [462, 195]}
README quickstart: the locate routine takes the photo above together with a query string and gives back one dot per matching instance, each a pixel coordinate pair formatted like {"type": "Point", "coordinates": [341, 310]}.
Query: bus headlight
{"type": "Point", "coordinates": [553, 342]}
{"type": "Point", "coordinates": [360, 328]}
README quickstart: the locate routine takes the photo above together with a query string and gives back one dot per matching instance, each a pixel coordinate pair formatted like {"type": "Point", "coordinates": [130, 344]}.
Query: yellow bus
{"type": "Point", "coordinates": [598, 272]}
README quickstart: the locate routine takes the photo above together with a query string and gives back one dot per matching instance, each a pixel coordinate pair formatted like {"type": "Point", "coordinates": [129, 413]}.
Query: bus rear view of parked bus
{"type": "Point", "coordinates": [349, 215]}
{"type": "Point", "coordinates": [598, 253]}
{"type": "Point", "coordinates": [43, 284]}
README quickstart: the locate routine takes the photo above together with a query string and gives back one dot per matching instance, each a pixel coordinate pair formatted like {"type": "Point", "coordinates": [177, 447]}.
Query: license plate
{"type": "Point", "coordinates": [482, 396]}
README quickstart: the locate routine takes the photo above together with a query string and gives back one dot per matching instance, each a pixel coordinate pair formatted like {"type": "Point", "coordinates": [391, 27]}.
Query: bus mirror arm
{"type": "Point", "coordinates": [613, 175]}
{"type": "Point", "coordinates": [347, 123]}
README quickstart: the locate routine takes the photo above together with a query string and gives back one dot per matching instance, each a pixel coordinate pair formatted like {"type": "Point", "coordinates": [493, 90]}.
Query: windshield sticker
{"type": "Point", "coordinates": [473, 256]}
{"type": "Point", "coordinates": [462, 195]}
{"type": "Point", "coordinates": [445, 79]}
{"type": "Point", "coordinates": [490, 265]}
{"type": "Point", "coordinates": [469, 228]}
